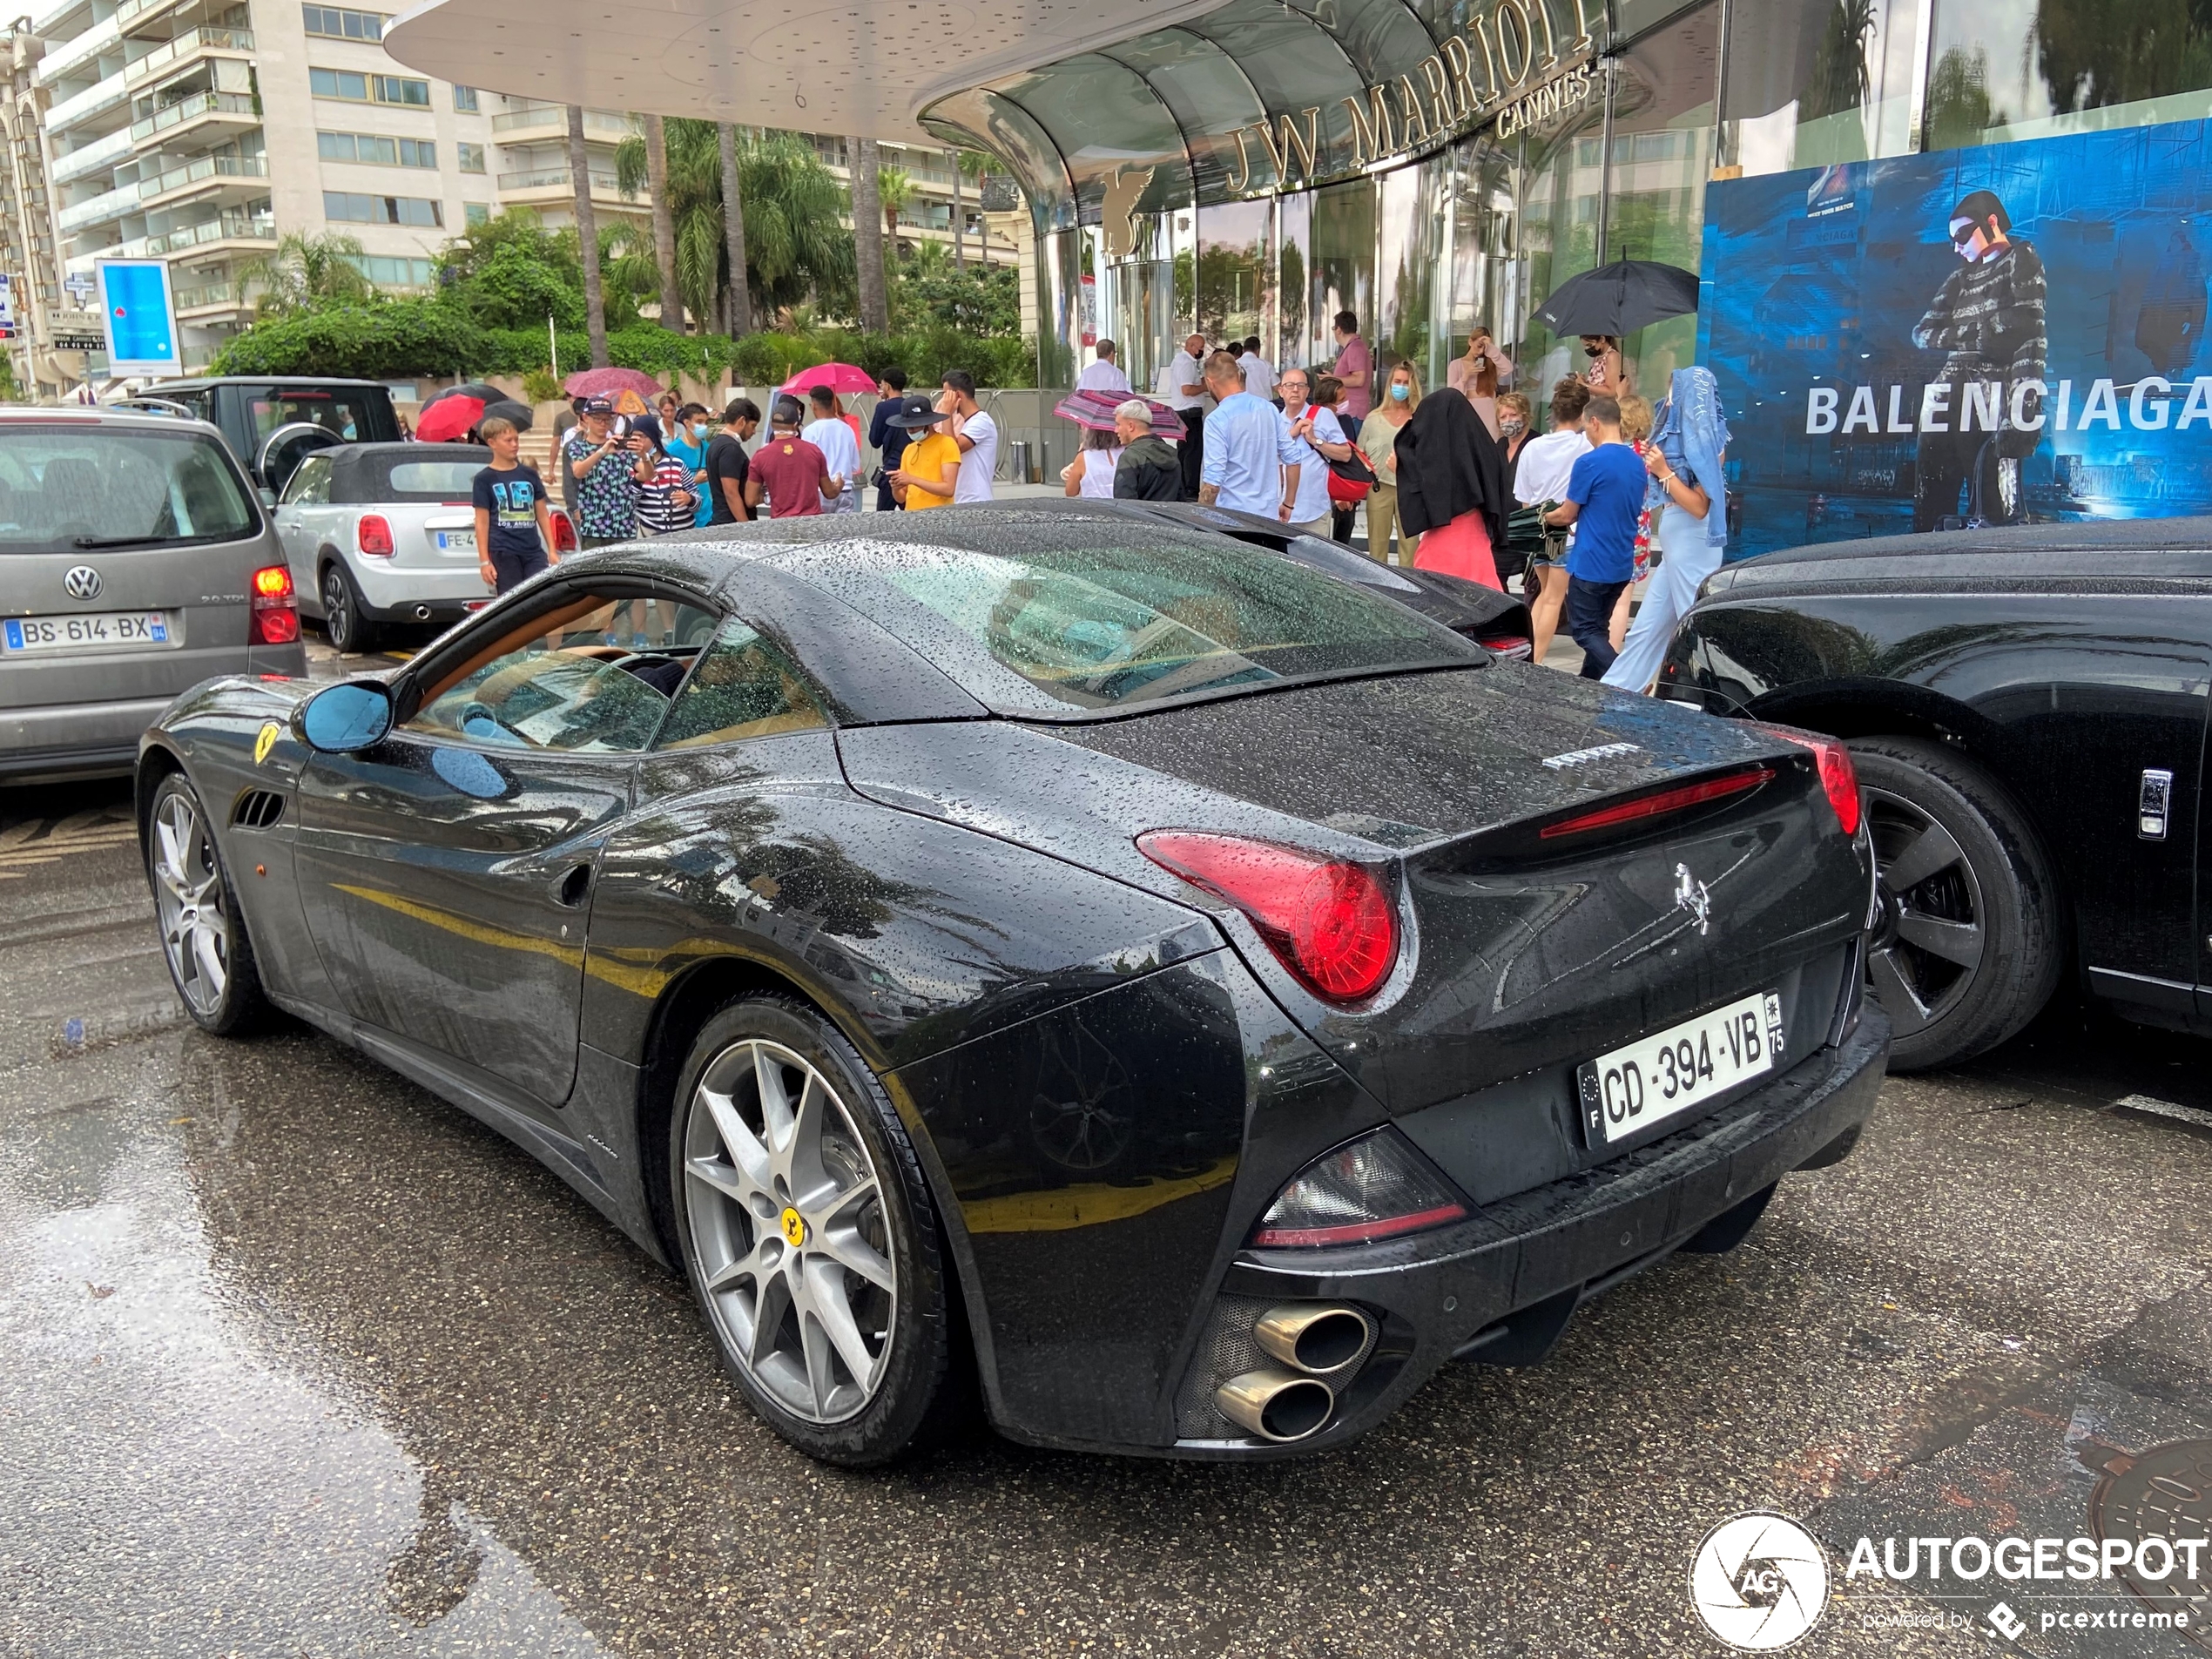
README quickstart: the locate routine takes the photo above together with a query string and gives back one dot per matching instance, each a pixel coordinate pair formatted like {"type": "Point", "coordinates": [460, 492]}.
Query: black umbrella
{"type": "Point", "coordinates": [477, 389]}
{"type": "Point", "coordinates": [520, 413]}
{"type": "Point", "coordinates": [1619, 298]}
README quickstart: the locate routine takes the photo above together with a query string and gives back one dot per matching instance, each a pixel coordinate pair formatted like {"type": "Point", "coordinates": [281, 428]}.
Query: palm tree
{"type": "Point", "coordinates": [867, 238]}
{"type": "Point", "coordinates": [672, 303]}
{"type": "Point", "coordinates": [960, 239]}
{"type": "Point", "coordinates": [894, 188]}
{"type": "Point", "coordinates": [301, 272]}
{"type": "Point", "coordinates": [974, 164]}
{"type": "Point", "coordinates": [587, 232]}
{"type": "Point", "coordinates": [733, 226]}
{"type": "Point", "coordinates": [795, 235]}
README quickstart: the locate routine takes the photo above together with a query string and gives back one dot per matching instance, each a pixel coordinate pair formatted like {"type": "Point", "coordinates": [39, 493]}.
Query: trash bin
{"type": "Point", "coordinates": [1018, 462]}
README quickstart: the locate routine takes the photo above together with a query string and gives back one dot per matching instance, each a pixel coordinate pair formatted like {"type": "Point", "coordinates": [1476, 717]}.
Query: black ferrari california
{"type": "Point", "coordinates": [1091, 962]}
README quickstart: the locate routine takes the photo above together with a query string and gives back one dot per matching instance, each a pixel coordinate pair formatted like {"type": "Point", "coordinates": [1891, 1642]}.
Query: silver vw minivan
{"type": "Point", "coordinates": [136, 560]}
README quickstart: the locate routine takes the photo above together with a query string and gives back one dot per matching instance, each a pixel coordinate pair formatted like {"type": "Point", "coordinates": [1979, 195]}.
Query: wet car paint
{"type": "Point", "coordinates": [963, 897]}
{"type": "Point", "coordinates": [2066, 660]}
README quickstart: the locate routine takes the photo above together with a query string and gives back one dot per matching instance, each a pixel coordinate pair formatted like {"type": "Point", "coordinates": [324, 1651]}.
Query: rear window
{"type": "Point", "coordinates": [116, 488]}
{"type": "Point", "coordinates": [358, 415]}
{"type": "Point", "coordinates": [436, 480]}
{"type": "Point", "coordinates": [1065, 624]}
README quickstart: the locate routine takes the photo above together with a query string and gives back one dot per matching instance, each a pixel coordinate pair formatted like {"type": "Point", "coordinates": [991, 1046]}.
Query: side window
{"type": "Point", "coordinates": [310, 485]}
{"type": "Point", "coordinates": [743, 686]}
{"type": "Point", "coordinates": [594, 677]}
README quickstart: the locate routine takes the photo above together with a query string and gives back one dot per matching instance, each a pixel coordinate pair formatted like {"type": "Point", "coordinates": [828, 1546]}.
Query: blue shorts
{"type": "Point", "coordinates": [515, 569]}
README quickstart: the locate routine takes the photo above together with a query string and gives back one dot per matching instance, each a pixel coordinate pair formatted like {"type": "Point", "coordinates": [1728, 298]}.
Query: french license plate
{"type": "Point", "coordinates": [1669, 1073]}
{"type": "Point", "coordinates": [457, 541]}
{"type": "Point", "coordinates": [90, 630]}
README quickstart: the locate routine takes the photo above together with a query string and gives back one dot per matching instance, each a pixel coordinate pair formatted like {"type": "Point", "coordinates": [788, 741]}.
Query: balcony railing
{"type": "Point", "coordinates": [96, 157]}
{"type": "Point", "coordinates": [556, 115]}
{"type": "Point", "coordinates": [546, 178]}
{"type": "Point", "coordinates": [98, 210]}
{"type": "Point", "coordinates": [185, 46]}
{"type": "Point", "coordinates": [130, 9]}
{"type": "Point", "coordinates": [93, 100]}
{"type": "Point", "coordinates": [207, 167]}
{"type": "Point", "coordinates": [212, 293]}
{"type": "Point", "coordinates": [227, 228]}
{"type": "Point", "coordinates": [74, 54]}
{"type": "Point", "coordinates": [192, 108]}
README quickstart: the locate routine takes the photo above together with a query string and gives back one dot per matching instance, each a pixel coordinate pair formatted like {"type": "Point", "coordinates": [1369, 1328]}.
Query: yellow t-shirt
{"type": "Point", "coordinates": [928, 458]}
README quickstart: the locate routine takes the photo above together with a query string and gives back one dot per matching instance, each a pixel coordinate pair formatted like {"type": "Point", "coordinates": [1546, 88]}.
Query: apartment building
{"type": "Point", "coordinates": [200, 130]}
{"type": "Point", "coordinates": [927, 216]}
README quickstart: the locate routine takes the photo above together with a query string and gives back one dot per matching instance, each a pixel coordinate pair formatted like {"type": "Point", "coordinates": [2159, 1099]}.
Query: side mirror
{"type": "Point", "coordinates": [345, 719]}
{"type": "Point", "coordinates": [269, 497]}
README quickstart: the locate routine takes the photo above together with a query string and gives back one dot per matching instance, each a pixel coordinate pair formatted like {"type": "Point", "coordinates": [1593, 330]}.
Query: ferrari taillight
{"type": "Point", "coordinates": [275, 616]}
{"type": "Point", "coordinates": [1838, 776]}
{"type": "Point", "coordinates": [1374, 1187]}
{"type": "Point", "coordinates": [374, 536]}
{"type": "Point", "coordinates": [1613, 814]}
{"type": "Point", "coordinates": [1329, 920]}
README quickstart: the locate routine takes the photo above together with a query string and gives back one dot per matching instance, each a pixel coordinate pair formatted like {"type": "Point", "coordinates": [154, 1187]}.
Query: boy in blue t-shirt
{"type": "Point", "coordinates": [514, 525]}
{"type": "Point", "coordinates": [1605, 501]}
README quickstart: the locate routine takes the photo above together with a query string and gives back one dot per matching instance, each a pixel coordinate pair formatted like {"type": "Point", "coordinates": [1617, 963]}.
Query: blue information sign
{"type": "Point", "coordinates": [136, 315]}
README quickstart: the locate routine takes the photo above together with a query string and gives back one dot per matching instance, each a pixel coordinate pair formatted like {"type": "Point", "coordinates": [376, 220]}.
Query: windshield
{"type": "Point", "coordinates": [1063, 624]}
{"type": "Point", "coordinates": [116, 487]}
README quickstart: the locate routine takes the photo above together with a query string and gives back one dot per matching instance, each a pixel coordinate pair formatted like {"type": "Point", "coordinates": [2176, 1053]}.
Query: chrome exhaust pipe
{"type": "Point", "coordinates": [1275, 1404]}
{"type": "Point", "coordinates": [423, 613]}
{"type": "Point", "coordinates": [1317, 1338]}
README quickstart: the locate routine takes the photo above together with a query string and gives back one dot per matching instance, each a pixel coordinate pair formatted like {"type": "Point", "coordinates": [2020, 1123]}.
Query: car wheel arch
{"type": "Point", "coordinates": [155, 762]}
{"type": "Point", "coordinates": [327, 558]}
{"type": "Point", "coordinates": [681, 1011]}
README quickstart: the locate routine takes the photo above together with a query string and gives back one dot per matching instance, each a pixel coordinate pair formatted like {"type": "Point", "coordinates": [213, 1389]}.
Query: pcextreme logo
{"type": "Point", "coordinates": [1759, 1581]}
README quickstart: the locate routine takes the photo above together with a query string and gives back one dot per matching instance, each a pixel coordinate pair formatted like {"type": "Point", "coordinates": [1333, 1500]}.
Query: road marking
{"type": "Point", "coordinates": [2195, 1116]}
{"type": "Point", "coordinates": [38, 842]}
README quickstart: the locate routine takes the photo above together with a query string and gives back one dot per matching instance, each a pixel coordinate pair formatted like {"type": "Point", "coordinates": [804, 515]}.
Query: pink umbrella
{"type": "Point", "coordinates": [842, 378]}
{"type": "Point", "coordinates": [607, 382]}
{"type": "Point", "coordinates": [1095, 411]}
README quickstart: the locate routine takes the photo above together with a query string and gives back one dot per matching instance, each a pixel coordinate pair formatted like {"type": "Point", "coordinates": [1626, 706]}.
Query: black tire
{"type": "Point", "coordinates": [241, 1007]}
{"type": "Point", "coordinates": [1969, 950]}
{"type": "Point", "coordinates": [349, 630]}
{"type": "Point", "coordinates": [923, 1392]}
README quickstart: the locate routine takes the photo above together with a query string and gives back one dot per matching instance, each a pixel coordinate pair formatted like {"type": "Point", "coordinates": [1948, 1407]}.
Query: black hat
{"type": "Point", "coordinates": [915, 412]}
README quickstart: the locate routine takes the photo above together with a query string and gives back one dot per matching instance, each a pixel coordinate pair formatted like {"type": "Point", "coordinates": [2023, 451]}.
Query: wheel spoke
{"type": "Point", "coordinates": [775, 1104]}
{"type": "Point", "coordinates": [738, 1139]}
{"type": "Point", "coordinates": [822, 1378]}
{"type": "Point", "coordinates": [207, 950]}
{"type": "Point", "coordinates": [835, 1310]}
{"type": "Point", "coordinates": [726, 1178]}
{"type": "Point", "coordinates": [736, 1272]}
{"type": "Point", "coordinates": [768, 1311]}
{"type": "Point", "coordinates": [1930, 852]}
{"type": "Point", "coordinates": [843, 1246]}
{"type": "Point", "coordinates": [1895, 993]}
{"type": "Point", "coordinates": [803, 1163]}
{"type": "Point", "coordinates": [1955, 941]}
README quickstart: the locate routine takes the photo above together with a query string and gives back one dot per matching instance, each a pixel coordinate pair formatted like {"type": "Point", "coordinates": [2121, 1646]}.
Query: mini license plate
{"type": "Point", "coordinates": [90, 630]}
{"type": "Point", "coordinates": [1662, 1076]}
{"type": "Point", "coordinates": [457, 541]}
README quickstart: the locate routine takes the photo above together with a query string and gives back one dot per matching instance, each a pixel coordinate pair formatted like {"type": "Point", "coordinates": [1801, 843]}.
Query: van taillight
{"type": "Point", "coordinates": [275, 616]}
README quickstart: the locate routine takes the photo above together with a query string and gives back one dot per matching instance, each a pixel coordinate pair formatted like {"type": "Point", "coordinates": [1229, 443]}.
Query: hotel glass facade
{"type": "Point", "coordinates": [1433, 165]}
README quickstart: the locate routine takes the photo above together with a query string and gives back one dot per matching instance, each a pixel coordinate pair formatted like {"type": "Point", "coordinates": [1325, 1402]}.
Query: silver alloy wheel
{"type": "Point", "coordinates": [337, 610]}
{"type": "Point", "coordinates": [787, 1222]}
{"type": "Point", "coordinates": [188, 892]}
{"type": "Point", "coordinates": [1928, 940]}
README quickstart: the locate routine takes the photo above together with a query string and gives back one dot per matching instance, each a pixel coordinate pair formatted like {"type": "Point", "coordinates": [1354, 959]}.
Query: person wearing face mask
{"type": "Point", "coordinates": [1606, 376]}
{"type": "Point", "coordinates": [1378, 442]}
{"type": "Point", "coordinates": [686, 442]}
{"type": "Point", "coordinates": [1524, 524]}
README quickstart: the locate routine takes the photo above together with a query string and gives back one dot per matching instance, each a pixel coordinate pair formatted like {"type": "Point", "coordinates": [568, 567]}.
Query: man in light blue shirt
{"type": "Point", "coordinates": [1251, 461]}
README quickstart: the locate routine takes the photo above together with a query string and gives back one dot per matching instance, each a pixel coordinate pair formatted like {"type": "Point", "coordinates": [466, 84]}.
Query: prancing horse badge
{"type": "Point", "coordinates": [1690, 895]}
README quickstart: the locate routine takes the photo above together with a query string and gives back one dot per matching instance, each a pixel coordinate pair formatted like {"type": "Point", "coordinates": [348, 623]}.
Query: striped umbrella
{"type": "Point", "coordinates": [1095, 410]}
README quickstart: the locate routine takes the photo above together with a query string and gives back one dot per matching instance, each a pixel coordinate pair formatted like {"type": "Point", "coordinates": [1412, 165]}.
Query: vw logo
{"type": "Point", "coordinates": [83, 581]}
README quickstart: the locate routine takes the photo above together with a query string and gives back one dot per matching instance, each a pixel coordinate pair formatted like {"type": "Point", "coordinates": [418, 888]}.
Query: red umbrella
{"type": "Point", "coordinates": [448, 418]}
{"type": "Point", "coordinates": [1095, 410]}
{"type": "Point", "coordinates": [606, 382]}
{"type": "Point", "coordinates": [842, 378]}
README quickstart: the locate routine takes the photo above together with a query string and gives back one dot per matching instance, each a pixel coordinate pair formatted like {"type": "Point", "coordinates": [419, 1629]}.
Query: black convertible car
{"type": "Point", "coordinates": [1184, 994]}
{"type": "Point", "coordinates": [2026, 709]}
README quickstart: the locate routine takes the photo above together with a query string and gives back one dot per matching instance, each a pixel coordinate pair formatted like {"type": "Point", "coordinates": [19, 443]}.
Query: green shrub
{"type": "Point", "coordinates": [387, 338]}
{"type": "Point", "coordinates": [540, 385]}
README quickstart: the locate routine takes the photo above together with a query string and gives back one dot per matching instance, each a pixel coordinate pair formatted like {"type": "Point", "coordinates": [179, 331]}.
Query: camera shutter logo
{"type": "Point", "coordinates": [1759, 1581]}
{"type": "Point", "coordinates": [82, 582]}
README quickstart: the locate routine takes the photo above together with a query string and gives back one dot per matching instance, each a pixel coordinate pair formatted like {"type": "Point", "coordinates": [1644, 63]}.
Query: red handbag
{"type": "Point", "coordinates": [1350, 479]}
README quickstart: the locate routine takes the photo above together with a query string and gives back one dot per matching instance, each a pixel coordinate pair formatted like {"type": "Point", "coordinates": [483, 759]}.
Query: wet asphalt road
{"type": "Point", "coordinates": [300, 1361]}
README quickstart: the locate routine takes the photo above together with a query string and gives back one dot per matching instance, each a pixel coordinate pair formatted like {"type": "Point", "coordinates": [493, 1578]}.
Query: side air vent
{"type": "Point", "coordinates": [258, 809]}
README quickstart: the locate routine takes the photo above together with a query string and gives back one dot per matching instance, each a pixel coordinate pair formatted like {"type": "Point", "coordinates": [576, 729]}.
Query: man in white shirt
{"type": "Point", "coordinates": [841, 449]}
{"type": "Point", "coordinates": [1105, 374]}
{"type": "Point", "coordinates": [1541, 474]}
{"type": "Point", "coordinates": [1182, 387]}
{"type": "Point", "coordinates": [1260, 374]}
{"type": "Point", "coordinates": [977, 435]}
{"type": "Point", "coordinates": [1317, 439]}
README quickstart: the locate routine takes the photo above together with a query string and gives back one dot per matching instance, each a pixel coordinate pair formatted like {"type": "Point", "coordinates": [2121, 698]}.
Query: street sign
{"type": "Point", "coordinates": [79, 342]}
{"type": "Point", "coordinates": [138, 316]}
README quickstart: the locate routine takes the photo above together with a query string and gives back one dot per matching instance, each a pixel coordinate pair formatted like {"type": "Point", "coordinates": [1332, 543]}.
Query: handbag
{"type": "Point", "coordinates": [1351, 479]}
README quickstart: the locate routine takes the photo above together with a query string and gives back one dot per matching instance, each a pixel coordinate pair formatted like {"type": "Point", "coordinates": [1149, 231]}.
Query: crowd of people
{"type": "Point", "coordinates": [1456, 479]}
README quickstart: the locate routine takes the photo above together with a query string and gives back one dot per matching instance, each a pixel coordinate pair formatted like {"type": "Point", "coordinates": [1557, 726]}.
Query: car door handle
{"type": "Point", "coordinates": [2154, 805]}
{"type": "Point", "coordinates": [572, 886]}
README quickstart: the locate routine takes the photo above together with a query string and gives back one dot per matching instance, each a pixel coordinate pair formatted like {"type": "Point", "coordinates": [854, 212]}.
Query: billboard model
{"type": "Point", "coordinates": [138, 317]}
{"type": "Point", "coordinates": [2005, 334]}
